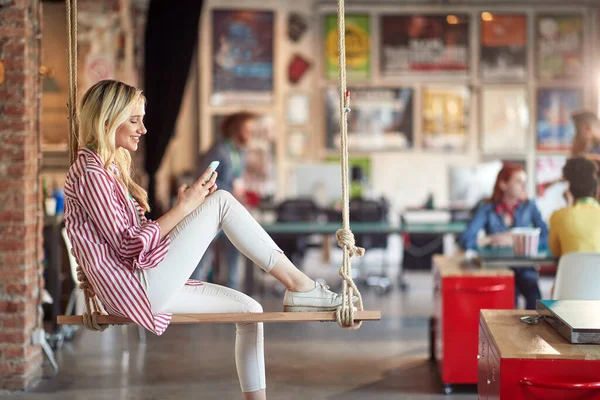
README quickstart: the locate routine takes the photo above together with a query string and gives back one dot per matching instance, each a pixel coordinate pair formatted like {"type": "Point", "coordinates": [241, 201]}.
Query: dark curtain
{"type": "Point", "coordinates": [171, 37]}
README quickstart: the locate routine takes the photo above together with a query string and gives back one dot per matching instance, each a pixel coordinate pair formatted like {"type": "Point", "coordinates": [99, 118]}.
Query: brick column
{"type": "Point", "coordinates": [20, 200]}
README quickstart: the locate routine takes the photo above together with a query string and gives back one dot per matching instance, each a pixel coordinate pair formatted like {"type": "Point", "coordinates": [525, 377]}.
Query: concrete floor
{"type": "Point", "coordinates": [382, 360]}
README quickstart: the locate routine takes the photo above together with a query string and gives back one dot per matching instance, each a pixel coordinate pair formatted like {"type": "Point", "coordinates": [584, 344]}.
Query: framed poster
{"type": "Point", "coordinates": [298, 109]}
{"type": "Point", "coordinates": [559, 47]}
{"type": "Point", "coordinates": [548, 171]}
{"type": "Point", "coordinates": [424, 44]}
{"type": "Point", "coordinates": [445, 117]}
{"type": "Point", "coordinates": [297, 143]}
{"type": "Point", "coordinates": [358, 46]}
{"type": "Point", "coordinates": [242, 66]}
{"type": "Point", "coordinates": [549, 186]}
{"type": "Point", "coordinates": [504, 119]}
{"type": "Point", "coordinates": [555, 129]}
{"type": "Point", "coordinates": [503, 46]}
{"type": "Point", "coordinates": [381, 118]}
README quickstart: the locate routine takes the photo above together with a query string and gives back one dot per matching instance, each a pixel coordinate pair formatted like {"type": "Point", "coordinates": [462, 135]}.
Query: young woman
{"type": "Point", "coordinates": [577, 226]}
{"type": "Point", "coordinates": [508, 208]}
{"type": "Point", "coordinates": [140, 268]}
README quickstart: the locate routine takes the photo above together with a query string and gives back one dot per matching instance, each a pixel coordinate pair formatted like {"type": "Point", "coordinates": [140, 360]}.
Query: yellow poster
{"type": "Point", "coordinates": [358, 46]}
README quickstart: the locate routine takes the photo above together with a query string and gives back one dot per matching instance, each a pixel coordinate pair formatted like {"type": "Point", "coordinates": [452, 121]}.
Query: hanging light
{"type": "Point", "coordinates": [452, 19]}
{"type": "Point", "coordinates": [487, 16]}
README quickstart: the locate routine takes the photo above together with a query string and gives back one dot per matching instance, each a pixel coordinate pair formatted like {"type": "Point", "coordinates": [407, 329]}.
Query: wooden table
{"type": "Point", "coordinates": [330, 228]}
{"type": "Point", "coordinates": [315, 228]}
{"type": "Point", "coordinates": [460, 292]}
{"type": "Point", "coordinates": [505, 257]}
{"type": "Point", "coordinates": [519, 361]}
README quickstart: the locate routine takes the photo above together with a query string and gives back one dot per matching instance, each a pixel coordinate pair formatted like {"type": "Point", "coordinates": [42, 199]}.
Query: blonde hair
{"type": "Point", "coordinates": [104, 107]}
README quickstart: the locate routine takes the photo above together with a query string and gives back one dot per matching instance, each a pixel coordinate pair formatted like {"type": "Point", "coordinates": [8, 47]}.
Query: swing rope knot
{"type": "Point", "coordinates": [345, 239]}
{"type": "Point", "coordinates": [92, 306]}
{"type": "Point", "coordinates": [90, 322]}
{"type": "Point", "coordinates": [345, 312]}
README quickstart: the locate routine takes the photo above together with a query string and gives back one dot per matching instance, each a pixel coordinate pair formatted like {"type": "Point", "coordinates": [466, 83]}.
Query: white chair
{"type": "Point", "coordinates": [77, 294]}
{"type": "Point", "coordinates": [578, 277]}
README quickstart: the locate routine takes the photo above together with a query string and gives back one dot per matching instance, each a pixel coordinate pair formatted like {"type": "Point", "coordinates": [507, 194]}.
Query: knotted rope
{"type": "Point", "coordinates": [345, 312]}
{"type": "Point", "coordinates": [72, 55]}
{"type": "Point", "coordinates": [92, 306]}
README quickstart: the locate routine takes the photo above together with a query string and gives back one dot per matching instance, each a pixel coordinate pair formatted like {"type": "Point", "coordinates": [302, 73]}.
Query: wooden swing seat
{"type": "Point", "coordinates": [229, 317]}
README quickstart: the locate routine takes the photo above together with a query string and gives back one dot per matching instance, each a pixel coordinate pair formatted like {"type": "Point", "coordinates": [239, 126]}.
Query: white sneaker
{"type": "Point", "coordinates": [318, 299]}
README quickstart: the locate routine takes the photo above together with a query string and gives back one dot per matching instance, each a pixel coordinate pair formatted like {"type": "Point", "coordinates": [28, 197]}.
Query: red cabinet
{"type": "Point", "coordinates": [459, 295]}
{"type": "Point", "coordinates": [519, 361]}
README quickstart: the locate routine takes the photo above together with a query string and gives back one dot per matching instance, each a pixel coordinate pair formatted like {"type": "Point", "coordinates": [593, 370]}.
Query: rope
{"type": "Point", "coordinates": [345, 312]}
{"type": "Point", "coordinates": [72, 55]}
{"type": "Point", "coordinates": [92, 306]}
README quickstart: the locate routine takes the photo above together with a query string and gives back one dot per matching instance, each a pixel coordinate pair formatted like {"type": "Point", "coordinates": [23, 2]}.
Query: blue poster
{"type": "Point", "coordinates": [242, 56]}
{"type": "Point", "coordinates": [555, 129]}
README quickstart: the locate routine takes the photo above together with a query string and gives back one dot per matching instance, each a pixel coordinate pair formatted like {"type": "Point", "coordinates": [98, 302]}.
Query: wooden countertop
{"type": "Point", "coordinates": [454, 265]}
{"type": "Point", "coordinates": [515, 339]}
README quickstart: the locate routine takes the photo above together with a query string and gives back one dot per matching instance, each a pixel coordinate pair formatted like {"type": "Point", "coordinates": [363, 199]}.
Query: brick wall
{"type": "Point", "coordinates": [20, 200]}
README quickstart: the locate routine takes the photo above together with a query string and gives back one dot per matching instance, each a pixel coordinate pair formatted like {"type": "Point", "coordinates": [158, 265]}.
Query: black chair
{"type": "Point", "coordinates": [363, 210]}
{"type": "Point", "coordinates": [367, 210]}
{"type": "Point", "coordinates": [295, 210]}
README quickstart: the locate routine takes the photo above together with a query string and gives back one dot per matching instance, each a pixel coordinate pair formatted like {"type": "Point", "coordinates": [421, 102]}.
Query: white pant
{"type": "Point", "coordinates": [165, 284]}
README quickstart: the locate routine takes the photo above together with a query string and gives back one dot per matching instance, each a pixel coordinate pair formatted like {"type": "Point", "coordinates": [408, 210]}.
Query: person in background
{"type": "Point", "coordinates": [586, 142]}
{"type": "Point", "coordinates": [587, 135]}
{"type": "Point", "coordinates": [508, 208]}
{"type": "Point", "coordinates": [577, 226]}
{"type": "Point", "coordinates": [229, 150]}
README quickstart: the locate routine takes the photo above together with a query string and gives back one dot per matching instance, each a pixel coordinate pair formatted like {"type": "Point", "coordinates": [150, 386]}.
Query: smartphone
{"type": "Point", "coordinates": [213, 166]}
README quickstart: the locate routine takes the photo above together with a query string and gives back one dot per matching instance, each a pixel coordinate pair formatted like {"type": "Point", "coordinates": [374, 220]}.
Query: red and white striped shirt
{"type": "Point", "coordinates": [111, 238]}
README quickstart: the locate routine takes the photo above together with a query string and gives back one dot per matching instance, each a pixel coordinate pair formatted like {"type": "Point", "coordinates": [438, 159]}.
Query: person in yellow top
{"type": "Point", "coordinates": [577, 226]}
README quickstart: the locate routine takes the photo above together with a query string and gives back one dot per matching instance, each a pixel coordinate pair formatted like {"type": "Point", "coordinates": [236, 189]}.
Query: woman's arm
{"type": "Point", "coordinates": [170, 219]}
{"type": "Point", "coordinates": [553, 238]}
{"type": "Point", "coordinates": [538, 222]}
{"type": "Point", "coordinates": [468, 239]}
{"type": "Point", "coordinates": [592, 156]}
{"type": "Point", "coordinates": [580, 145]}
{"type": "Point", "coordinates": [188, 199]}
{"type": "Point", "coordinates": [97, 195]}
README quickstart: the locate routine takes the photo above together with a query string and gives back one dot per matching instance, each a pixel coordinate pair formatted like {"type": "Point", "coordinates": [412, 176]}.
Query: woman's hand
{"type": "Point", "coordinates": [191, 197]}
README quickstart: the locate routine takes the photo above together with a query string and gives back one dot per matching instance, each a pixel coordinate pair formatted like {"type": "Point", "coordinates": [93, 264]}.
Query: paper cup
{"type": "Point", "coordinates": [526, 241]}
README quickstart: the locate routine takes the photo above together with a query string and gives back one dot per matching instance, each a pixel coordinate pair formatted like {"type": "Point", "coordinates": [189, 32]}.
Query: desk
{"type": "Point", "coordinates": [434, 228]}
{"type": "Point", "coordinates": [518, 361]}
{"type": "Point", "coordinates": [426, 239]}
{"type": "Point", "coordinates": [460, 293]}
{"type": "Point", "coordinates": [310, 228]}
{"type": "Point", "coordinates": [505, 257]}
{"type": "Point", "coordinates": [300, 228]}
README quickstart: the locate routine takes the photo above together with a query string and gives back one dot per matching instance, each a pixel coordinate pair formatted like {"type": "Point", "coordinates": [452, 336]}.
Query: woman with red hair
{"type": "Point", "coordinates": [508, 208]}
